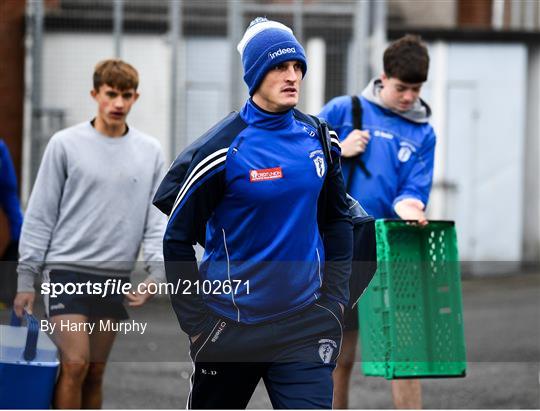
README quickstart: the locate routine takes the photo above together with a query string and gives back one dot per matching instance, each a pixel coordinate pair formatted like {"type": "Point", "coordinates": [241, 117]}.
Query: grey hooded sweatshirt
{"type": "Point", "coordinates": [419, 113]}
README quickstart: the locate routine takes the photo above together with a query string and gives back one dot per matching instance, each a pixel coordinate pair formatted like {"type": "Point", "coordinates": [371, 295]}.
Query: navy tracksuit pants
{"type": "Point", "coordinates": [295, 357]}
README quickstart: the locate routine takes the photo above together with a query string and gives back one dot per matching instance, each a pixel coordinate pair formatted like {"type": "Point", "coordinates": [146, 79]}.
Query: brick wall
{"type": "Point", "coordinates": [474, 14]}
{"type": "Point", "coordinates": [12, 77]}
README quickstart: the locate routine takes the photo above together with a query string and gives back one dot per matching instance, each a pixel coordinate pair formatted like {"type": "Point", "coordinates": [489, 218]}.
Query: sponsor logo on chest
{"type": "Point", "coordinates": [265, 174]}
{"type": "Point", "coordinates": [383, 134]}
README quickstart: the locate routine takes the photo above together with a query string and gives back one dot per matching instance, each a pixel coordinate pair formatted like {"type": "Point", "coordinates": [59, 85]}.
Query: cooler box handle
{"type": "Point", "coordinates": [32, 335]}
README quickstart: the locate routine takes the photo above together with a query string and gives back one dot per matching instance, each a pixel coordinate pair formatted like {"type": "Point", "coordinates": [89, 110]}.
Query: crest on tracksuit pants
{"type": "Point", "coordinates": [326, 349]}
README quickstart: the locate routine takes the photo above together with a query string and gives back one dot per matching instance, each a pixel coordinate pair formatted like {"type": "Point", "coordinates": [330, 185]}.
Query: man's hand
{"type": "Point", "coordinates": [141, 295]}
{"type": "Point", "coordinates": [411, 209]}
{"type": "Point", "coordinates": [24, 301]}
{"type": "Point", "coordinates": [355, 143]}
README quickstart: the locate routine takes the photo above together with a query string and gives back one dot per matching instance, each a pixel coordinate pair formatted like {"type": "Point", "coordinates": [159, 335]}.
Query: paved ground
{"type": "Point", "coordinates": [502, 327]}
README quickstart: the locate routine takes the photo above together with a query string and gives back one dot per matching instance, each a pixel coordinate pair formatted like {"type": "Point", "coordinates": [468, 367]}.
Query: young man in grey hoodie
{"type": "Point", "coordinates": [388, 168]}
{"type": "Point", "coordinates": [89, 213]}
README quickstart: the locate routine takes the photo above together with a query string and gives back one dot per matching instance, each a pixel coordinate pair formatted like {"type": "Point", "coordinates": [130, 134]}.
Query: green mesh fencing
{"type": "Point", "coordinates": [411, 321]}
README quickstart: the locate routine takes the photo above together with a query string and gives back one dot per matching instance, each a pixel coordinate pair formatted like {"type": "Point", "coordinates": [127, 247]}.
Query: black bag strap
{"type": "Point", "coordinates": [324, 135]}
{"type": "Point", "coordinates": [357, 114]}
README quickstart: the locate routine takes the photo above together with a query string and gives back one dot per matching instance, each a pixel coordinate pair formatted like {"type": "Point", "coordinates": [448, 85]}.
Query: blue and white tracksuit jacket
{"type": "Point", "coordinates": [399, 155]}
{"type": "Point", "coordinates": [248, 191]}
{"type": "Point", "coordinates": [9, 200]}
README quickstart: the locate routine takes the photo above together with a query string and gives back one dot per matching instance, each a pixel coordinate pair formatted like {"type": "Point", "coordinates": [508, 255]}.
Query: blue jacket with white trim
{"type": "Point", "coordinates": [9, 200]}
{"type": "Point", "coordinates": [399, 155]}
{"type": "Point", "coordinates": [248, 191]}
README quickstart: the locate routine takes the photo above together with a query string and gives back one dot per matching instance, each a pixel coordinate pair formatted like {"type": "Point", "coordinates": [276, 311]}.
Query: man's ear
{"type": "Point", "coordinates": [136, 96]}
{"type": "Point", "coordinates": [384, 77]}
{"type": "Point", "coordinates": [93, 93]}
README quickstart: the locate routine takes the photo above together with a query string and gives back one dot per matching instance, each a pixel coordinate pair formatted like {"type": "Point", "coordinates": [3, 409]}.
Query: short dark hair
{"type": "Point", "coordinates": [115, 73]}
{"type": "Point", "coordinates": [407, 59]}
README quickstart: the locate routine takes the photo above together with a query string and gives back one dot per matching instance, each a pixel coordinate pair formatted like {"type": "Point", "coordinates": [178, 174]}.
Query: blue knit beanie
{"type": "Point", "coordinates": [266, 44]}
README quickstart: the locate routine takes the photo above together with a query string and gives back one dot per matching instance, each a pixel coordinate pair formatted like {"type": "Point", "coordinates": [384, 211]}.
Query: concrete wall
{"type": "Point", "coordinates": [12, 76]}
{"type": "Point", "coordinates": [531, 203]}
{"type": "Point", "coordinates": [424, 13]}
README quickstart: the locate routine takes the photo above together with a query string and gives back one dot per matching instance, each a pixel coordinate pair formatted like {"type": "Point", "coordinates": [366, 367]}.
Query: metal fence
{"type": "Point", "coordinates": [191, 76]}
{"type": "Point", "coordinates": [344, 36]}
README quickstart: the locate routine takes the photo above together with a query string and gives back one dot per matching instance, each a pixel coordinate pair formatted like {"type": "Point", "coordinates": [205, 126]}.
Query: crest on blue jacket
{"type": "Point", "coordinates": [405, 152]}
{"type": "Point", "coordinates": [318, 159]}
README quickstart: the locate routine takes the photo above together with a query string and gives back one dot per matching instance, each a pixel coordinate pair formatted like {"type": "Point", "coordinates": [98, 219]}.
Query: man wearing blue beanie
{"type": "Point", "coordinates": [262, 192]}
{"type": "Point", "coordinates": [265, 45]}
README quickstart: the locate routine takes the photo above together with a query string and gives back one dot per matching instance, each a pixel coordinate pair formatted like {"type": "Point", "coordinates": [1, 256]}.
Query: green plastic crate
{"type": "Point", "coordinates": [411, 321]}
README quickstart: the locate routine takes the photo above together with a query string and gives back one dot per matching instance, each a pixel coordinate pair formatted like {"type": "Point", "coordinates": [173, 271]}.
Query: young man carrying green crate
{"type": "Point", "coordinates": [388, 167]}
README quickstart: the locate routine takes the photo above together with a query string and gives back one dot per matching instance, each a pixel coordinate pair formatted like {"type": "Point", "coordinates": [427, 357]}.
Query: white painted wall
{"type": "Point", "coordinates": [425, 13]}
{"type": "Point", "coordinates": [435, 93]}
{"type": "Point", "coordinates": [203, 75]}
{"type": "Point", "coordinates": [479, 114]}
{"type": "Point", "coordinates": [68, 65]}
{"type": "Point", "coordinates": [315, 79]}
{"type": "Point", "coordinates": [207, 84]}
{"type": "Point", "coordinates": [486, 88]}
{"type": "Point", "coordinates": [531, 205]}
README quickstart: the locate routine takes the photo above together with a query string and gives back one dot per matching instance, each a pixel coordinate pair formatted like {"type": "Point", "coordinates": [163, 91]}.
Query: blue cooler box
{"type": "Point", "coordinates": [28, 366]}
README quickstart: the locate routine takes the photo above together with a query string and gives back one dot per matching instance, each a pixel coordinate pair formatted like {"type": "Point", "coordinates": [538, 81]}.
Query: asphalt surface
{"type": "Point", "coordinates": [502, 329]}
